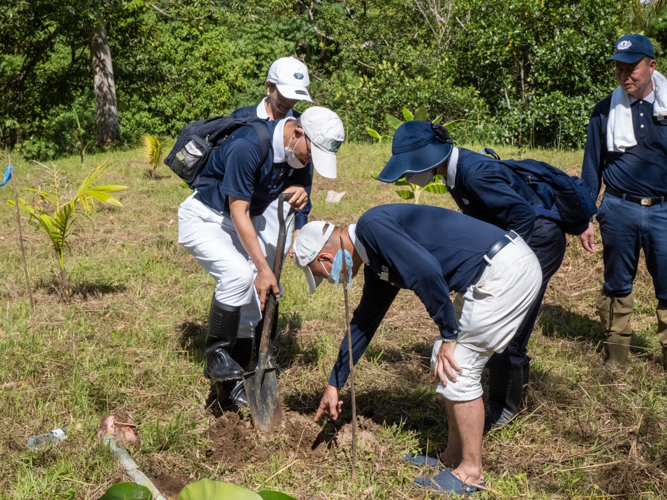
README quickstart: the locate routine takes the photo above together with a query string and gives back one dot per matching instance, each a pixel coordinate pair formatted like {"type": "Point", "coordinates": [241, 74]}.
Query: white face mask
{"type": "Point", "coordinates": [422, 180]}
{"type": "Point", "coordinates": [330, 278]}
{"type": "Point", "coordinates": [292, 160]}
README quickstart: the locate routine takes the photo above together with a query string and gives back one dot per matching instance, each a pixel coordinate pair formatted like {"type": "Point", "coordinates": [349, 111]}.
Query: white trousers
{"type": "Point", "coordinates": [489, 314]}
{"type": "Point", "coordinates": [269, 227]}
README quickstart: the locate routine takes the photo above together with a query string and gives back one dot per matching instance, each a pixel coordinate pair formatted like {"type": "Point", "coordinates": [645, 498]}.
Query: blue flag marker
{"type": "Point", "coordinates": [8, 175]}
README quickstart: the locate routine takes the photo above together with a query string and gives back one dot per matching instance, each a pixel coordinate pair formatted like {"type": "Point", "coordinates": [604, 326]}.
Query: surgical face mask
{"type": "Point", "coordinates": [423, 179]}
{"type": "Point", "coordinates": [292, 160]}
{"type": "Point", "coordinates": [330, 278]}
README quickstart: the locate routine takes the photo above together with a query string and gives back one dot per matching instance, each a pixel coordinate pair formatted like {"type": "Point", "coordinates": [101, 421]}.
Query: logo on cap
{"type": "Point", "coordinates": [335, 146]}
{"type": "Point", "coordinates": [298, 76]}
{"type": "Point", "coordinates": [625, 44]}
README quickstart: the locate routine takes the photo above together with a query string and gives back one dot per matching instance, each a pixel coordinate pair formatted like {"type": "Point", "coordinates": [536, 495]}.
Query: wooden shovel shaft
{"type": "Point", "coordinates": [345, 273]}
{"type": "Point", "coordinates": [18, 222]}
{"type": "Point", "coordinates": [270, 308]}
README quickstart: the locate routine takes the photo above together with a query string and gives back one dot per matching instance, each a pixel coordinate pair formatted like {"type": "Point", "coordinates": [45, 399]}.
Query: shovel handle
{"type": "Point", "coordinates": [270, 307]}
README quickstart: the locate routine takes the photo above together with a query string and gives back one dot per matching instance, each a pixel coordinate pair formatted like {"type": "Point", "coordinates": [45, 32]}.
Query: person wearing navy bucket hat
{"type": "Point", "coordinates": [626, 147]}
{"type": "Point", "coordinates": [537, 201]}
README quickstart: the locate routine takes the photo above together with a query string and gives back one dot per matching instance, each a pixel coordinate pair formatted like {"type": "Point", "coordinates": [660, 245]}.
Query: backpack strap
{"type": "Point", "coordinates": [260, 127]}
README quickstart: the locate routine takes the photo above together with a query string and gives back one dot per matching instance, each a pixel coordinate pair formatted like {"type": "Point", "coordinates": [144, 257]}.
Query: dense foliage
{"type": "Point", "coordinates": [518, 71]}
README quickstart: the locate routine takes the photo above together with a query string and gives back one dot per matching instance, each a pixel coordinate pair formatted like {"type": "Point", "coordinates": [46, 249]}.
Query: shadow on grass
{"type": "Point", "coordinates": [558, 322]}
{"type": "Point", "coordinates": [192, 338]}
{"type": "Point", "coordinates": [82, 289]}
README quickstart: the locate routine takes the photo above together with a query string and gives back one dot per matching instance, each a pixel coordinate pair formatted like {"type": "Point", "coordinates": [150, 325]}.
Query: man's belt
{"type": "Point", "coordinates": [644, 202]}
{"type": "Point", "coordinates": [509, 237]}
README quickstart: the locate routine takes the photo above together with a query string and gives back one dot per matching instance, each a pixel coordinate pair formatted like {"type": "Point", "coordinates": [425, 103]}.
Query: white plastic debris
{"type": "Point", "coordinates": [334, 197]}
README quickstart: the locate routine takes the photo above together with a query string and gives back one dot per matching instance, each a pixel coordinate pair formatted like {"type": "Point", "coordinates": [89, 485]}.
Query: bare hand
{"type": "Point", "coordinates": [290, 252]}
{"type": "Point", "coordinates": [329, 404]}
{"type": "Point", "coordinates": [588, 238]}
{"type": "Point", "coordinates": [299, 197]}
{"type": "Point", "coordinates": [265, 281]}
{"type": "Point", "coordinates": [445, 362]}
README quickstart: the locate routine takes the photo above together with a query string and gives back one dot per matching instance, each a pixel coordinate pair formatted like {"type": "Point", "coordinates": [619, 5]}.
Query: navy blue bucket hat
{"type": "Point", "coordinates": [632, 48]}
{"type": "Point", "coordinates": [415, 149]}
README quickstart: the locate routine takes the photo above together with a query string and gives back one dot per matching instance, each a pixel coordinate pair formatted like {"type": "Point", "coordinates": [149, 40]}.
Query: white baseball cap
{"type": "Point", "coordinates": [326, 133]}
{"type": "Point", "coordinates": [291, 77]}
{"type": "Point", "coordinates": [307, 246]}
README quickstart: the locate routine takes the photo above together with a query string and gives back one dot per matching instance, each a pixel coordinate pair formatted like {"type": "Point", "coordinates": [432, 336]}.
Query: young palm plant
{"type": "Point", "coordinates": [152, 152]}
{"type": "Point", "coordinates": [57, 215]}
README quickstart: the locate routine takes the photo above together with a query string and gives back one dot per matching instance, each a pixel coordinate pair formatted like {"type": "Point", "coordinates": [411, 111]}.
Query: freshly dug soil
{"type": "Point", "coordinates": [236, 444]}
{"type": "Point", "coordinates": [170, 484]}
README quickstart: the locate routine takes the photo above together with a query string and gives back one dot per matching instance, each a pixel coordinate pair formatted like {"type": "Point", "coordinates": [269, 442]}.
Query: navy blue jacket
{"type": "Point", "coordinates": [234, 168]}
{"type": "Point", "coordinates": [511, 194]}
{"type": "Point", "coordinates": [640, 171]}
{"type": "Point", "coordinates": [487, 190]}
{"type": "Point", "coordinates": [428, 250]}
{"type": "Point", "coordinates": [300, 216]}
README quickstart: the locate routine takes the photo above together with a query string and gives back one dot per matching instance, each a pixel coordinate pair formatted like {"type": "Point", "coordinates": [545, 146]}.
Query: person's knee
{"type": "Point", "coordinates": [466, 388]}
{"type": "Point", "coordinates": [236, 288]}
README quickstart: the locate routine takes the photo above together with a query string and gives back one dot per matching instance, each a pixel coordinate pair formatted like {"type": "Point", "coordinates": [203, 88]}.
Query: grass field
{"type": "Point", "coordinates": [131, 339]}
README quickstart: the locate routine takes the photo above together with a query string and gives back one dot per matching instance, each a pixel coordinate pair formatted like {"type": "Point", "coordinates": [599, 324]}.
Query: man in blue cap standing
{"type": "Point", "coordinates": [626, 148]}
{"type": "Point", "coordinates": [532, 198]}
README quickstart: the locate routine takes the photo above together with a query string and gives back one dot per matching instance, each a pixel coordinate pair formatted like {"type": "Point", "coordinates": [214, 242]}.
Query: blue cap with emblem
{"type": "Point", "coordinates": [416, 148]}
{"type": "Point", "coordinates": [632, 48]}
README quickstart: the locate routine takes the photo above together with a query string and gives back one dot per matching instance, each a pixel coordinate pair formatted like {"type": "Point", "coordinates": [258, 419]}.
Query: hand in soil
{"type": "Point", "coordinates": [329, 404]}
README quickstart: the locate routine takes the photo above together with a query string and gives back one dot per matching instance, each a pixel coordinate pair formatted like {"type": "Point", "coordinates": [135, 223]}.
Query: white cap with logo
{"type": "Point", "coordinates": [326, 133]}
{"type": "Point", "coordinates": [291, 77]}
{"type": "Point", "coordinates": [308, 244]}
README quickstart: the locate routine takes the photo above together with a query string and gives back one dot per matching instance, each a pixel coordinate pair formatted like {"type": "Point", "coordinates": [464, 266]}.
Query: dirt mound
{"type": "Point", "coordinates": [236, 444]}
{"type": "Point", "coordinates": [367, 435]}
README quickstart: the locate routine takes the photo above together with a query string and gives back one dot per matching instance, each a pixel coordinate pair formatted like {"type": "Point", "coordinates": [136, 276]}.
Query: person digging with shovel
{"type": "Point", "coordinates": [431, 251]}
{"type": "Point", "coordinates": [220, 226]}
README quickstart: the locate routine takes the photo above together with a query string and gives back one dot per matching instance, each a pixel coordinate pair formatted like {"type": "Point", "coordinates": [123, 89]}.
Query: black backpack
{"type": "Point", "coordinates": [189, 155]}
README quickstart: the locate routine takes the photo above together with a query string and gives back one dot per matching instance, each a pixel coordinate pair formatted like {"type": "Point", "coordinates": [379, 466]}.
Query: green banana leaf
{"type": "Point", "coordinates": [421, 114]}
{"type": "Point", "coordinates": [274, 495]}
{"type": "Point", "coordinates": [394, 122]}
{"type": "Point", "coordinates": [373, 133]}
{"type": "Point", "coordinates": [407, 115]}
{"type": "Point", "coordinates": [127, 491]}
{"type": "Point", "coordinates": [405, 194]}
{"type": "Point", "coordinates": [207, 489]}
{"type": "Point", "coordinates": [436, 188]}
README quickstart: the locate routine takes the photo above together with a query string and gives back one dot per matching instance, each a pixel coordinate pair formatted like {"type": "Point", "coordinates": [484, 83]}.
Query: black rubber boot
{"type": "Point", "coordinates": [242, 354]}
{"type": "Point", "coordinates": [273, 350]}
{"type": "Point", "coordinates": [505, 397]}
{"type": "Point", "coordinates": [223, 327]}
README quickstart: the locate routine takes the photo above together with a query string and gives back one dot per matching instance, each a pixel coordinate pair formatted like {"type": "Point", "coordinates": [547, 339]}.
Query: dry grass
{"type": "Point", "coordinates": [131, 339]}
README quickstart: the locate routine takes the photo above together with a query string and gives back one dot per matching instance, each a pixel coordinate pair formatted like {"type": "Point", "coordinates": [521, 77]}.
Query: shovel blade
{"type": "Point", "coordinates": [264, 400]}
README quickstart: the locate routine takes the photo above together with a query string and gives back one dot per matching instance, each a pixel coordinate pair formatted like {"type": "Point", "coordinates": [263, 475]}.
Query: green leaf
{"type": "Point", "coordinates": [436, 188]}
{"type": "Point", "coordinates": [421, 114]}
{"type": "Point", "coordinates": [394, 122]}
{"type": "Point", "coordinates": [405, 194]}
{"type": "Point", "coordinates": [374, 175]}
{"type": "Point", "coordinates": [274, 495]}
{"type": "Point", "coordinates": [127, 491]}
{"type": "Point", "coordinates": [373, 133]}
{"type": "Point", "coordinates": [213, 490]}
{"type": "Point", "coordinates": [184, 185]}
{"type": "Point", "coordinates": [407, 115]}
{"type": "Point", "coordinates": [437, 120]}
{"type": "Point", "coordinates": [453, 125]}
{"type": "Point", "coordinates": [401, 182]}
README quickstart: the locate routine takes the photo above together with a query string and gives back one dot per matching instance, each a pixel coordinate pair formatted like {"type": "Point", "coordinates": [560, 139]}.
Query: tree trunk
{"type": "Point", "coordinates": [108, 129]}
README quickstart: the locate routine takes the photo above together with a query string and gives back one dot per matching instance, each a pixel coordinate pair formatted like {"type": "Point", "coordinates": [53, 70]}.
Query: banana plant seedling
{"type": "Point", "coordinates": [57, 214]}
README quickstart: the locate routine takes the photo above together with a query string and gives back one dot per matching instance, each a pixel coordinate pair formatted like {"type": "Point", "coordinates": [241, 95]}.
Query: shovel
{"type": "Point", "coordinates": [261, 385]}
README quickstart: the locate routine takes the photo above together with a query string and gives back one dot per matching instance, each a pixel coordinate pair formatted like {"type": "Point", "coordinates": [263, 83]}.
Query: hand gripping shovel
{"type": "Point", "coordinates": [262, 385]}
